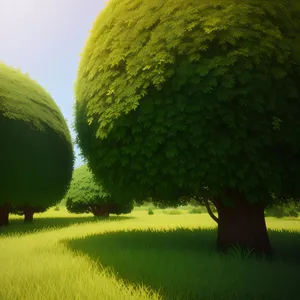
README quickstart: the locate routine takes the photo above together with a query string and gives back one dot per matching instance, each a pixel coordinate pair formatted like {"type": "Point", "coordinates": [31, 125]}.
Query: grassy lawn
{"type": "Point", "coordinates": [137, 256]}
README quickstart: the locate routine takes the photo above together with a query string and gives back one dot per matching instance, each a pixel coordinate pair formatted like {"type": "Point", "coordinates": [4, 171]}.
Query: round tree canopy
{"type": "Point", "coordinates": [25, 100]}
{"type": "Point", "coordinates": [83, 188]}
{"type": "Point", "coordinates": [86, 195]}
{"type": "Point", "coordinates": [176, 98]}
{"type": "Point", "coordinates": [36, 151]}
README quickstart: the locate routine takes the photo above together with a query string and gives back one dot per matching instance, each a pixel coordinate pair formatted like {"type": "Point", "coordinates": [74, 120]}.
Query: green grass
{"type": "Point", "coordinates": [173, 211]}
{"type": "Point", "coordinates": [63, 256]}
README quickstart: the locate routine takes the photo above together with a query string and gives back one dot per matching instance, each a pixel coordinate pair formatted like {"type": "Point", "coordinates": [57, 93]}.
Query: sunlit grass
{"type": "Point", "coordinates": [64, 256]}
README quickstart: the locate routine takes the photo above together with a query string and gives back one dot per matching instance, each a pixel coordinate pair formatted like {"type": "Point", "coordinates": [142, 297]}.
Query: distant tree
{"type": "Point", "coordinates": [195, 98]}
{"type": "Point", "coordinates": [36, 152]}
{"type": "Point", "coordinates": [88, 196]}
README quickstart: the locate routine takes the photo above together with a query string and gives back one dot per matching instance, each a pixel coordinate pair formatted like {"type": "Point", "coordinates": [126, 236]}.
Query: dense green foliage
{"type": "Point", "coordinates": [198, 210]}
{"type": "Point", "coordinates": [36, 152]}
{"type": "Point", "coordinates": [172, 96]}
{"type": "Point", "coordinates": [24, 99]}
{"type": "Point", "coordinates": [290, 209]}
{"type": "Point", "coordinates": [85, 195]}
{"type": "Point", "coordinates": [150, 211]}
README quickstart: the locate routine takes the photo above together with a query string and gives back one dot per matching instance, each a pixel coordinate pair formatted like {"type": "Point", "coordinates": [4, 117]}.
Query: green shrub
{"type": "Point", "coordinates": [292, 213]}
{"type": "Point", "coordinates": [280, 211]}
{"type": "Point", "coordinates": [293, 205]}
{"type": "Point", "coordinates": [275, 211]}
{"type": "Point", "coordinates": [197, 210]}
{"type": "Point", "coordinates": [150, 211]}
{"type": "Point", "coordinates": [56, 208]}
{"type": "Point", "coordinates": [173, 212]}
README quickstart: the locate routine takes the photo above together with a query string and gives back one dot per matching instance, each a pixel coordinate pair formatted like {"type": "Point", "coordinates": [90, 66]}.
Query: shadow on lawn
{"type": "Point", "coordinates": [183, 264]}
{"type": "Point", "coordinates": [18, 227]}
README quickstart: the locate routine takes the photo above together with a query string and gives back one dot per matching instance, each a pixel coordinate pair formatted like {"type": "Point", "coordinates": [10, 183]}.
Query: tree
{"type": "Point", "coordinates": [196, 99]}
{"type": "Point", "coordinates": [26, 211]}
{"type": "Point", "coordinates": [88, 196]}
{"type": "Point", "coordinates": [36, 152]}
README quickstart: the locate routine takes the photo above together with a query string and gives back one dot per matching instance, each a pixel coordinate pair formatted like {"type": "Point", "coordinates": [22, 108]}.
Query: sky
{"type": "Point", "coordinates": [44, 38]}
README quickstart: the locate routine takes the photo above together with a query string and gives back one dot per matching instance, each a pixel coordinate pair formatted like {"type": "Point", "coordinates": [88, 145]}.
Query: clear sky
{"type": "Point", "coordinates": [44, 38]}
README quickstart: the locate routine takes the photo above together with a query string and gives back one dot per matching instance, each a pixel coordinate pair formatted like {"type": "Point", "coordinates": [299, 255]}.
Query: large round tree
{"type": "Point", "coordinates": [86, 195]}
{"type": "Point", "coordinates": [193, 98]}
{"type": "Point", "coordinates": [36, 151]}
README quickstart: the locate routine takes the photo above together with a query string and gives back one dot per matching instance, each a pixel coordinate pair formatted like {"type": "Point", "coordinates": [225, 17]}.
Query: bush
{"type": "Point", "coordinates": [280, 211]}
{"type": "Point", "coordinates": [56, 208]}
{"type": "Point", "coordinates": [293, 213]}
{"type": "Point", "coordinates": [150, 211]}
{"type": "Point", "coordinates": [197, 210]}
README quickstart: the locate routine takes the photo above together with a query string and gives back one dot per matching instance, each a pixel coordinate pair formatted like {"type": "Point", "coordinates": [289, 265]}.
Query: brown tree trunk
{"type": "Point", "coordinates": [242, 225]}
{"type": "Point", "coordinates": [100, 211]}
{"type": "Point", "coordinates": [93, 210]}
{"type": "Point", "coordinates": [4, 215]}
{"type": "Point", "coordinates": [28, 214]}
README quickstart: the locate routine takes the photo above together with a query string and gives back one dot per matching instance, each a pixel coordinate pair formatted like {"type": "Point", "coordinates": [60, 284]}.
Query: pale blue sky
{"type": "Point", "coordinates": [45, 38]}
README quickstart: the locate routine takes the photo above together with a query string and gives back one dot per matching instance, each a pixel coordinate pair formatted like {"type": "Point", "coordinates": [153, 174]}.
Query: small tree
{"type": "Point", "coordinates": [195, 98]}
{"type": "Point", "coordinates": [88, 196]}
{"type": "Point", "coordinates": [36, 152]}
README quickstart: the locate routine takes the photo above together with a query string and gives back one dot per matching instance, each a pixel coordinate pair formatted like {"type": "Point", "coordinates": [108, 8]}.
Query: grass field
{"type": "Point", "coordinates": [137, 256]}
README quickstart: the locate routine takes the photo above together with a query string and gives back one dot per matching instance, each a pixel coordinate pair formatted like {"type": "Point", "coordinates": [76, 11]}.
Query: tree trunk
{"type": "Point", "coordinates": [100, 211]}
{"type": "Point", "coordinates": [4, 214]}
{"type": "Point", "coordinates": [28, 215]}
{"type": "Point", "coordinates": [93, 210]}
{"type": "Point", "coordinates": [242, 225]}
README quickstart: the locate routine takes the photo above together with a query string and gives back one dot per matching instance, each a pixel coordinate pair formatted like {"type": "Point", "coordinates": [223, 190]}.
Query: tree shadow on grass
{"type": "Point", "coordinates": [18, 227]}
{"type": "Point", "coordinates": [183, 264]}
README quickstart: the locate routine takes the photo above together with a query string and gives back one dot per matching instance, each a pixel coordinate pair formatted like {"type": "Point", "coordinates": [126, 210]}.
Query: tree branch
{"type": "Point", "coordinates": [210, 212]}
{"type": "Point", "coordinates": [206, 204]}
